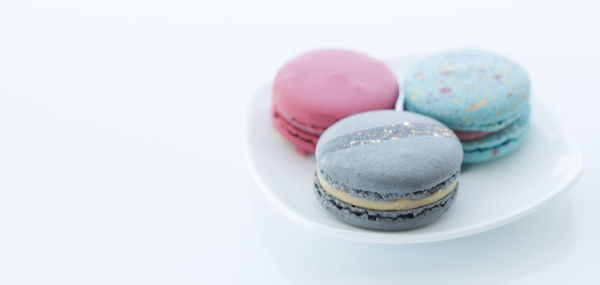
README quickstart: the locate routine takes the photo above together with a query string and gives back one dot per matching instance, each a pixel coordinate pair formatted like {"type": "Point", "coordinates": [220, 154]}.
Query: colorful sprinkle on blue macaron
{"type": "Point", "coordinates": [482, 96]}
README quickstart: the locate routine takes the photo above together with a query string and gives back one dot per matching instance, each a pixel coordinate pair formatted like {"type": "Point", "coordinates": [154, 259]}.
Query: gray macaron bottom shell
{"type": "Point", "coordinates": [384, 220]}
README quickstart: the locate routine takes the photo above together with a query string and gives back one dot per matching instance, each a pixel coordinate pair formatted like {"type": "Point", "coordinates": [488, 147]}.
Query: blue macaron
{"type": "Point", "coordinates": [482, 96]}
{"type": "Point", "coordinates": [387, 170]}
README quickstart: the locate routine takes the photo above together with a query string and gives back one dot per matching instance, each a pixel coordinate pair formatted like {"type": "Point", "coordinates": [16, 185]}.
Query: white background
{"type": "Point", "coordinates": [121, 147]}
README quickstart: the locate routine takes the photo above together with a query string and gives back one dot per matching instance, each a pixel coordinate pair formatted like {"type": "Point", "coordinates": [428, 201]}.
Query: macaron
{"type": "Point", "coordinates": [387, 170]}
{"type": "Point", "coordinates": [316, 89]}
{"type": "Point", "coordinates": [482, 96]}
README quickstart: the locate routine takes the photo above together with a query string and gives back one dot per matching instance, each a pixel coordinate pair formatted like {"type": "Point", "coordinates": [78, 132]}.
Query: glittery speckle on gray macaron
{"type": "Point", "coordinates": [388, 152]}
{"type": "Point", "coordinates": [386, 155]}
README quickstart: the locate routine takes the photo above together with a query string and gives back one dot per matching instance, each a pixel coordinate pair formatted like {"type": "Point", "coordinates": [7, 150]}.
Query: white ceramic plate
{"type": "Point", "coordinates": [491, 194]}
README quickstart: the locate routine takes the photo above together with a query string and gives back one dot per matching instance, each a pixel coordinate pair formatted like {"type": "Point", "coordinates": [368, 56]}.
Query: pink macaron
{"type": "Point", "coordinates": [321, 87]}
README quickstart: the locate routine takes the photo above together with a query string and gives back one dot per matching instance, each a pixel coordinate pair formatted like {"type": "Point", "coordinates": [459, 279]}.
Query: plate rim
{"type": "Point", "coordinates": [378, 237]}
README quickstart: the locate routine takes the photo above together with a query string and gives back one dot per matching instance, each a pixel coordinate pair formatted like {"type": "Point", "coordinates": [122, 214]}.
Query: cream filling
{"type": "Point", "coordinates": [396, 205]}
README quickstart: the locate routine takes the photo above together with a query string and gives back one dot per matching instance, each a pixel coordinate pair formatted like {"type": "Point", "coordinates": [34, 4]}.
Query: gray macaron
{"type": "Point", "coordinates": [387, 170]}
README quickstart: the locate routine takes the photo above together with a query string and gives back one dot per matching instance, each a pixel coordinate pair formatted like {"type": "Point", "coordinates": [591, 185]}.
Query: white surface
{"type": "Point", "coordinates": [121, 125]}
{"type": "Point", "coordinates": [490, 195]}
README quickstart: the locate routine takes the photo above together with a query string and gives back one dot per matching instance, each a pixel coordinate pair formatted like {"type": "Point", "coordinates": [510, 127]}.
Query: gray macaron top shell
{"type": "Point", "coordinates": [389, 153]}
